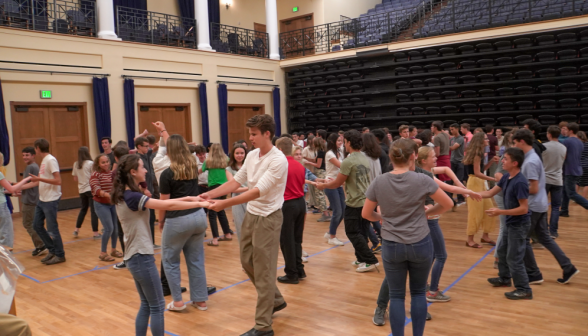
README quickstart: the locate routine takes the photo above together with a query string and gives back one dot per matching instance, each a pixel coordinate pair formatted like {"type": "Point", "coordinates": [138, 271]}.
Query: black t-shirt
{"type": "Point", "coordinates": [470, 168]}
{"type": "Point", "coordinates": [177, 189]}
{"type": "Point", "coordinates": [148, 164]}
{"type": "Point", "coordinates": [111, 157]}
{"type": "Point", "coordinates": [321, 155]}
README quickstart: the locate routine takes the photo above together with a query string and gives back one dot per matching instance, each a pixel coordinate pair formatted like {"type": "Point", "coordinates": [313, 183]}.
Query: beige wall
{"type": "Point", "coordinates": [348, 8]}
{"type": "Point", "coordinates": [243, 13]}
{"type": "Point", "coordinates": [305, 7]}
{"type": "Point", "coordinates": [164, 6]}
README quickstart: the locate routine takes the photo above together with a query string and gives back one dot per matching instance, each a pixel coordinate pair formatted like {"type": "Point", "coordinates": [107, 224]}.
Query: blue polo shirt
{"type": "Point", "coordinates": [533, 170]}
{"type": "Point", "coordinates": [514, 189]}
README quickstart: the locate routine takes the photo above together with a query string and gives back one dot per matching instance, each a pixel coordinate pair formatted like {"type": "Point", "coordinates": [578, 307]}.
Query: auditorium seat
{"type": "Point", "coordinates": [486, 93]}
{"type": "Point", "coordinates": [433, 110]}
{"type": "Point", "coordinates": [567, 71]}
{"type": "Point", "coordinates": [524, 105]}
{"type": "Point", "coordinates": [416, 83]}
{"type": "Point", "coordinates": [447, 123]}
{"type": "Point", "coordinates": [345, 115]}
{"type": "Point", "coordinates": [416, 69]}
{"type": "Point", "coordinates": [505, 91]}
{"type": "Point", "coordinates": [449, 109]}
{"type": "Point", "coordinates": [567, 54]}
{"type": "Point", "coordinates": [485, 78]}
{"type": "Point", "coordinates": [505, 106]}
{"type": "Point", "coordinates": [418, 111]}
{"type": "Point", "coordinates": [505, 76]}
{"type": "Point", "coordinates": [417, 97]}
{"type": "Point", "coordinates": [569, 118]}
{"type": "Point", "coordinates": [506, 121]}
{"type": "Point", "coordinates": [415, 55]}
{"type": "Point", "coordinates": [357, 114]}
{"type": "Point", "coordinates": [568, 103]}
{"type": "Point", "coordinates": [402, 98]}
{"type": "Point", "coordinates": [432, 82]}
{"type": "Point", "coordinates": [523, 42]}
{"type": "Point", "coordinates": [399, 71]}
{"type": "Point", "coordinates": [402, 85]}
{"type": "Point", "coordinates": [546, 104]}
{"type": "Point", "coordinates": [466, 49]}
{"type": "Point", "coordinates": [469, 108]}
{"type": "Point", "coordinates": [448, 66]}
{"type": "Point", "coordinates": [449, 94]}
{"type": "Point", "coordinates": [546, 88]}
{"type": "Point", "coordinates": [449, 80]}
{"type": "Point", "coordinates": [467, 64]}
{"type": "Point", "coordinates": [546, 72]}
{"type": "Point", "coordinates": [431, 68]}
{"type": "Point", "coordinates": [432, 96]}
{"type": "Point", "coordinates": [430, 53]}
{"type": "Point", "coordinates": [400, 57]}
{"type": "Point", "coordinates": [356, 88]}
{"type": "Point", "coordinates": [504, 61]}
{"type": "Point", "coordinates": [584, 119]}
{"type": "Point", "coordinates": [486, 121]}
{"type": "Point", "coordinates": [547, 119]}
{"type": "Point", "coordinates": [485, 62]}
{"type": "Point", "coordinates": [522, 117]}
{"type": "Point", "coordinates": [523, 59]}
{"type": "Point", "coordinates": [472, 122]}
{"type": "Point", "coordinates": [468, 94]}
{"type": "Point", "coordinates": [524, 90]}
{"type": "Point", "coordinates": [487, 107]}
{"type": "Point", "coordinates": [447, 51]}
{"type": "Point", "coordinates": [402, 111]}
{"type": "Point", "coordinates": [567, 87]}
{"type": "Point", "coordinates": [545, 39]}
{"type": "Point", "coordinates": [524, 74]}
{"type": "Point", "coordinates": [544, 56]}
{"type": "Point", "coordinates": [467, 79]}
{"type": "Point", "coordinates": [333, 115]}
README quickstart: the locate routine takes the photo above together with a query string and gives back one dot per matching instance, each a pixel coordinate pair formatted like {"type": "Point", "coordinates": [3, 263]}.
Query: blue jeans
{"type": "Point", "coordinates": [337, 201]}
{"type": "Point", "coordinates": [107, 215]}
{"type": "Point", "coordinates": [500, 202]}
{"type": "Point", "coordinates": [440, 253]}
{"type": "Point", "coordinates": [144, 272]}
{"type": "Point", "coordinates": [570, 182]}
{"type": "Point", "coordinates": [6, 227]}
{"type": "Point", "coordinates": [511, 252]}
{"type": "Point", "coordinates": [185, 233]}
{"type": "Point", "coordinates": [50, 236]}
{"type": "Point", "coordinates": [401, 260]}
{"type": "Point", "coordinates": [556, 200]}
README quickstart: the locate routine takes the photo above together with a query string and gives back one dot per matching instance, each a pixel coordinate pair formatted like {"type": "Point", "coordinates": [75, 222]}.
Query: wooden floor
{"type": "Point", "coordinates": [85, 296]}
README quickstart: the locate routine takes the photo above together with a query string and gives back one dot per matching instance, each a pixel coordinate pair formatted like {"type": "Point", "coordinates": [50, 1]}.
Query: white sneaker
{"type": "Point", "coordinates": [304, 254]}
{"type": "Point", "coordinates": [357, 264]}
{"type": "Point", "coordinates": [335, 241]}
{"type": "Point", "coordinates": [367, 267]}
{"type": "Point", "coordinates": [327, 236]}
{"type": "Point", "coordinates": [304, 259]}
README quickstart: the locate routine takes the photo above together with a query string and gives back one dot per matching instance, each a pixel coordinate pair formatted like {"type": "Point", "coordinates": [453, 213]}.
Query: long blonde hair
{"type": "Point", "coordinates": [475, 148]}
{"type": "Point", "coordinates": [183, 164]}
{"type": "Point", "coordinates": [424, 153]}
{"type": "Point", "coordinates": [217, 159]}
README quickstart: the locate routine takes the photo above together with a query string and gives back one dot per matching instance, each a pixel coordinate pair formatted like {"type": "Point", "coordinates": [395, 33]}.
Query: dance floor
{"type": "Point", "coordinates": [85, 296]}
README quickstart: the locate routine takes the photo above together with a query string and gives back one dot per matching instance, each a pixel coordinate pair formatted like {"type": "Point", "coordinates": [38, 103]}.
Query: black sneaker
{"type": "Point", "coordinates": [567, 277]}
{"type": "Point", "coordinates": [120, 265]}
{"type": "Point", "coordinates": [536, 281]}
{"type": "Point", "coordinates": [564, 214]}
{"type": "Point", "coordinates": [519, 295]}
{"type": "Point", "coordinates": [380, 316]}
{"type": "Point", "coordinates": [55, 260]}
{"type": "Point", "coordinates": [47, 257]}
{"type": "Point", "coordinates": [429, 317]}
{"type": "Point", "coordinates": [280, 307]}
{"type": "Point", "coordinates": [287, 280]}
{"type": "Point", "coordinates": [497, 282]}
{"type": "Point", "coordinates": [210, 289]}
{"type": "Point", "coordinates": [39, 251]}
{"type": "Point", "coordinates": [554, 235]}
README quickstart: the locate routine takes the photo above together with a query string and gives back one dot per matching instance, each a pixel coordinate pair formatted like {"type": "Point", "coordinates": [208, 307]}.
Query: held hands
{"type": "Point", "coordinates": [320, 186]}
{"type": "Point", "coordinates": [34, 178]}
{"type": "Point", "coordinates": [493, 212]}
{"type": "Point", "coordinates": [475, 196]}
{"type": "Point", "coordinates": [217, 205]}
{"type": "Point", "coordinates": [204, 197]}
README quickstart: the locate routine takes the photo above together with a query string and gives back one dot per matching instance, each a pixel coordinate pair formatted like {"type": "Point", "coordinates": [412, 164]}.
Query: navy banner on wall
{"type": "Point", "coordinates": [277, 116]}
{"type": "Point", "coordinates": [204, 114]}
{"type": "Point", "coordinates": [4, 140]}
{"type": "Point", "coordinates": [101, 108]}
{"type": "Point", "coordinates": [129, 90]}
{"type": "Point", "coordinates": [223, 111]}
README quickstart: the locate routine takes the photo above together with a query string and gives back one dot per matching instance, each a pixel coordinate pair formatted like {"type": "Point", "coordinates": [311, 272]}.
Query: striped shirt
{"type": "Point", "coordinates": [101, 182]}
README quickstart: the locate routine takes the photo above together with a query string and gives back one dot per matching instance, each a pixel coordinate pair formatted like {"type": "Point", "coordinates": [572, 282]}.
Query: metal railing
{"type": "Point", "coordinates": [429, 18]}
{"type": "Point", "coordinates": [58, 16]}
{"type": "Point", "coordinates": [240, 41]}
{"type": "Point", "coordinates": [139, 25]}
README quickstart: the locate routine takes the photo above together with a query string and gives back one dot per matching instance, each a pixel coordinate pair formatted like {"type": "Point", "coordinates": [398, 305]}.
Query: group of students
{"type": "Point", "coordinates": [394, 195]}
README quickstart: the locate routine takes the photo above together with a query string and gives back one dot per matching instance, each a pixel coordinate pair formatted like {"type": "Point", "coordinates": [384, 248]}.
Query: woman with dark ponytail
{"type": "Point", "coordinates": [131, 206]}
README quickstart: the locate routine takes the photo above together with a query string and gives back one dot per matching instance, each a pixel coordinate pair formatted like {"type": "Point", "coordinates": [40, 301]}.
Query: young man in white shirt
{"type": "Point", "coordinates": [49, 182]}
{"type": "Point", "coordinates": [265, 170]}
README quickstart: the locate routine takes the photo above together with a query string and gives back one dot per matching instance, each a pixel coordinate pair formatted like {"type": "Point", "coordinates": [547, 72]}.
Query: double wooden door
{"type": "Point", "coordinates": [299, 40]}
{"type": "Point", "coordinates": [176, 118]}
{"type": "Point", "coordinates": [64, 126]}
{"type": "Point", "coordinates": [238, 115]}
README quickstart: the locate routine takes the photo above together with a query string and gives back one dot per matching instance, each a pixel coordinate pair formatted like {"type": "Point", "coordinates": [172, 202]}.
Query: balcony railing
{"type": "Point", "coordinates": [58, 16]}
{"type": "Point", "coordinates": [429, 18]}
{"type": "Point", "coordinates": [240, 41]}
{"type": "Point", "coordinates": [139, 25]}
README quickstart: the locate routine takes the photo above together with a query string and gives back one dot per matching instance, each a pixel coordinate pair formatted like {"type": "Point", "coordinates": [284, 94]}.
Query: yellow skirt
{"type": "Point", "coordinates": [477, 217]}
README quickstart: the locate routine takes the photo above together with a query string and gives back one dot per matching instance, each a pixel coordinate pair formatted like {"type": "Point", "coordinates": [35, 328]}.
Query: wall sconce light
{"type": "Point", "coordinates": [227, 3]}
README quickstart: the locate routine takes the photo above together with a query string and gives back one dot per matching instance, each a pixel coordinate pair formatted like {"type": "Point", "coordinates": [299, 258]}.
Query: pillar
{"type": "Point", "coordinates": [201, 8]}
{"type": "Point", "coordinates": [105, 13]}
{"type": "Point", "coordinates": [271, 22]}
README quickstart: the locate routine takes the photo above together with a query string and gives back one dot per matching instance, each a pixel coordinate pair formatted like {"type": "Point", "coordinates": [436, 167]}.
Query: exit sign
{"type": "Point", "coordinates": [295, 9]}
{"type": "Point", "coordinates": [45, 94]}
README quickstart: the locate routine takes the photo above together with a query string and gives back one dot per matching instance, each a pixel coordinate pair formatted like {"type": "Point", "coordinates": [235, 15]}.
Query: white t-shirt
{"type": "Point", "coordinates": [202, 178]}
{"type": "Point", "coordinates": [300, 143]}
{"type": "Point", "coordinates": [332, 170]}
{"type": "Point", "coordinates": [49, 192]}
{"type": "Point", "coordinates": [83, 175]}
{"type": "Point", "coordinates": [161, 161]}
{"type": "Point", "coordinates": [307, 153]}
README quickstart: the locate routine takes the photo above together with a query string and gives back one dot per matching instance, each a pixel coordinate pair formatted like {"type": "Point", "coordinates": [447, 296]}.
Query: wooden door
{"type": "Point", "coordinates": [300, 38]}
{"type": "Point", "coordinates": [65, 127]}
{"type": "Point", "coordinates": [238, 116]}
{"type": "Point", "coordinates": [175, 117]}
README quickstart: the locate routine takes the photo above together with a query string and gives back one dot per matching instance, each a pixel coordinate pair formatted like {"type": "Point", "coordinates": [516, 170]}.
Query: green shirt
{"type": "Point", "coordinates": [357, 169]}
{"type": "Point", "coordinates": [216, 176]}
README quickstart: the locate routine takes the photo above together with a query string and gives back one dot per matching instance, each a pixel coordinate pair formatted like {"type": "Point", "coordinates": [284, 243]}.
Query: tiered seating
{"type": "Point", "coordinates": [543, 76]}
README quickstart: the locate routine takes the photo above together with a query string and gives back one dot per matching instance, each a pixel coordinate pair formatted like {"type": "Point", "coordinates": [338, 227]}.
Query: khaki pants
{"type": "Point", "coordinates": [260, 241]}
{"type": "Point", "coordinates": [11, 325]}
{"type": "Point", "coordinates": [28, 214]}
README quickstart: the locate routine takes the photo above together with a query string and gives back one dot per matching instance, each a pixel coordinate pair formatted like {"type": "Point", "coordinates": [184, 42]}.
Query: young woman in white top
{"type": "Point", "coordinates": [336, 196]}
{"type": "Point", "coordinates": [320, 172]}
{"type": "Point", "coordinates": [309, 154]}
{"type": "Point", "coordinates": [82, 170]}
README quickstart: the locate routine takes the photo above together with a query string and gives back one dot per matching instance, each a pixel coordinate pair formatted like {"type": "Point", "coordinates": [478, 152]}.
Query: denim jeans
{"type": "Point", "coordinates": [500, 202]}
{"type": "Point", "coordinates": [511, 252]}
{"type": "Point", "coordinates": [87, 202]}
{"type": "Point", "coordinates": [144, 272]}
{"type": "Point", "coordinates": [539, 227]}
{"type": "Point", "coordinates": [185, 233]}
{"type": "Point", "coordinates": [556, 199]}
{"type": "Point", "coordinates": [440, 253]}
{"type": "Point", "coordinates": [570, 182]}
{"type": "Point", "coordinates": [107, 215]}
{"type": "Point", "coordinates": [50, 236]}
{"type": "Point", "coordinates": [459, 171]}
{"type": "Point", "coordinates": [337, 201]}
{"type": "Point", "coordinates": [371, 233]}
{"type": "Point", "coordinates": [415, 261]}
{"type": "Point", "coordinates": [6, 227]}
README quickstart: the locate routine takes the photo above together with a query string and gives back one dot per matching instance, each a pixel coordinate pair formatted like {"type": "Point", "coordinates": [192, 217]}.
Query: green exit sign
{"type": "Point", "coordinates": [295, 9]}
{"type": "Point", "coordinates": [45, 94]}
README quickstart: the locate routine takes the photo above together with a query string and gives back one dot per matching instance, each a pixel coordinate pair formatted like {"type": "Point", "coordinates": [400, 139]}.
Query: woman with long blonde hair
{"type": "Point", "coordinates": [216, 164]}
{"type": "Point", "coordinates": [473, 162]}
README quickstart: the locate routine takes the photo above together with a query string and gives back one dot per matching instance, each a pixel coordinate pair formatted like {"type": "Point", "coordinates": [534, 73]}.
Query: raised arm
{"type": "Point", "coordinates": [447, 171]}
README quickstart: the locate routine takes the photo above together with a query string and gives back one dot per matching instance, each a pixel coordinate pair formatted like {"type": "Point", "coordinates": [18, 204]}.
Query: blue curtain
{"type": "Point", "coordinates": [277, 116]}
{"type": "Point", "coordinates": [101, 108]}
{"type": "Point", "coordinates": [222, 108]}
{"type": "Point", "coordinates": [137, 4]}
{"type": "Point", "coordinates": [213, 11]}
{"type": "Point", "coordinates": [204, 114]}
{"type": "Point", "coordinates": [4, 140]}
{"type": "Point", "coordinates": [186, 8]}
{"type": "Point", "coordinates": [129, 89]}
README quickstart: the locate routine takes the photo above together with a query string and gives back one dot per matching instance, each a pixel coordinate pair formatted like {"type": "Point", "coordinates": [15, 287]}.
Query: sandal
{"type": "Point", "coordinates": [210, 243]}
{"type": "Point", "coordinates": [116, 254]}
{"type": "Point", "coordinates": [105, 257]}
{"type": "Point", "coordinates": [224, 238]}
{"type": "Point", "coordinates": [489, 242]}
{"type": "Point", "coordinates": [172, 307]}
{"type": "Point", "coordinates": [199, 307]}
{"type": "Point", "coordinates": [476, 245]}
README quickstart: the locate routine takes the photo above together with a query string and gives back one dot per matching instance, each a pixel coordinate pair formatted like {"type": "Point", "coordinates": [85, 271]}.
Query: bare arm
{"type": "Point", "coordinates": [144, 134]}
{"type": "Point", "coordinates": [477, 171]}
{"type": "Point", "coordinates": [437, 150]}
{"type": "Point", "coordinates": [490, 193]}
{"type": "Point", "coordinates": [56, 180]}
{"type": "Point", "coordinates": [454, 147]}
{"type": "Point", "coordinates": [369, 211]}
{"type": "Point", "coordinates": [457, 190]}
{"type": "Point", "coordinates": [442, 203]}
{"type": "Point", "coordinates": [13, 189]}
{"type": "Point", "coordinates": [29, 185]}
{"type": "Point", "coordinates": [161, 213]}
{"type": "Point", "coordinates": [318, 163]}
{"type": "Point", "coordinates": [447, 171]}
{"type": "Point", "coordinates": [533, 187]}
{"type": "Point", "coordinates": [224, 189]}
{"type": "Point", "coordinates": [175, 204]}
{"type": "Point", "coordinates": [333, 184]}
{"type": "Point", "coordinates": [522, 209]}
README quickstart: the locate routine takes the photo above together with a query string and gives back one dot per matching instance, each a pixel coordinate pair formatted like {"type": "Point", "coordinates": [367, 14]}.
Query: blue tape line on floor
{"type": "Point", "coordinates": [67, 242]}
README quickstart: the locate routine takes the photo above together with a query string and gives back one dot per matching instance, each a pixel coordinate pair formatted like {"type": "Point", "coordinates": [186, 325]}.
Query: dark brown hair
{"type": "Point", "coordinates": [232, 161]}
{"type": "Point", "coordinates": [123, 178]}
{"type": "Point", "coordinates": [42, 144]}
{"type": "Point", "coordinates": [370, 146]}
{"type": "Point", "coordinates": [401, 151]}
{"type": "Point", "coordinates": [140, 141]}
{"type": "Point", "coordinates": [120, 151]}
{"type": "Point", "coordinates": [83, 155]}
{"type": "Point", "coordinates": [263, 122]}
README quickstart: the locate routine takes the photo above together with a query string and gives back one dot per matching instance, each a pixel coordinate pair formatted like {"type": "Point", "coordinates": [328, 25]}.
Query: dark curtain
{"type": "Point", "coordinates": [213, 11]}
{"type": "Point", "coordinates": [101, 108]}
{"type": "Point", "coordinates": [137, 4]}
{"type": "Point", "coordinates": [204, 114]}
{"type": "Point", "coordinates": [129, 89]}
{"type": "Point", "coordinates": [222, 108]}
{"type": "Point", "coordinates": [4, 144]}
{"type": "Point", "coordinates": [277, 116]}
{"type": "Point", "coordinates": [186, 8]}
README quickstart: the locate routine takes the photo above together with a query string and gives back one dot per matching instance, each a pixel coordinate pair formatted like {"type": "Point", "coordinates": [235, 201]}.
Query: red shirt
{"type": "Point", "coordinates": [101, 181]}
{"type": "Point", "coordinates": [295, 181]}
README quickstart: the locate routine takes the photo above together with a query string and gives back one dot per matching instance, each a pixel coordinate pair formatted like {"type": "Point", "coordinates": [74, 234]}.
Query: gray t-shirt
{"type": "Point", "coordinates": [457, 154]}
{"type": "Point", "coordinates": [31, 196]}
{"type": "Point", "coordinates": [402, 202]}
{"type": "Point", "coordinates": [532, 169]}
{"type": "Point", "coordinates": [417, 169]}
{"type": "Point", "coordinates": [134, 219]}
{"type": "Point", "coordinates": [553, 160]}
{"type": "Point", "coordinates": [441, 140]}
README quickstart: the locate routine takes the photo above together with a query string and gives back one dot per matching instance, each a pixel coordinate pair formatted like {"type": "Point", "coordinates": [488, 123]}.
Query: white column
{"type": "Point", "coordinates": [271, 24]}
{"type": "Point", "coordinates": [105, 12]}
{"type": "Point", "coordinates": [201, 8]}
